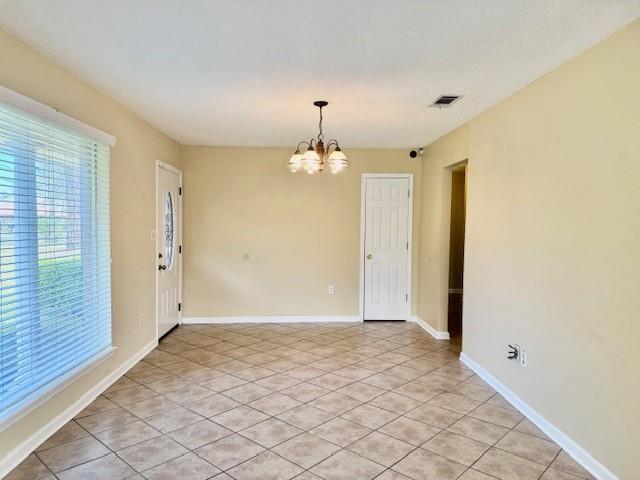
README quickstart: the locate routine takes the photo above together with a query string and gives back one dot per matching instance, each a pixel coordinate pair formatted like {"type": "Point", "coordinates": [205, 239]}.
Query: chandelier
{"type": "Point", "coordinates": [314, 158]}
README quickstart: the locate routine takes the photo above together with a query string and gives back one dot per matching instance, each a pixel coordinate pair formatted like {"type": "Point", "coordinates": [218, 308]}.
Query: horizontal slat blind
{"type": "Point", "coordinates": [55, 279]}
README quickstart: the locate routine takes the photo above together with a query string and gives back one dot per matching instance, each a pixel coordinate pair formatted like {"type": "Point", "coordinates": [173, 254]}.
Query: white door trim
{"type": "Point", "coordinates": [167, 166]}
{"type": "Point", "coordinates": [365, 176]}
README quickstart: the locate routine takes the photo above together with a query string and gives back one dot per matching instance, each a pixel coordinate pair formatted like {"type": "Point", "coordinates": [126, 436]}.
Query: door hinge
{"type": "Point", "coordinates": [180, 307]}
{"type": "Point", "coordinates": [407, 245]}
{"type": "Point", "coordinates": [406, 297]}
{"type": "Point", "coordinates": [179, 190]}
{"type": "Point", "coordinates": [408, 193]}
{"type": "Point", "coordinates": [180, 249]}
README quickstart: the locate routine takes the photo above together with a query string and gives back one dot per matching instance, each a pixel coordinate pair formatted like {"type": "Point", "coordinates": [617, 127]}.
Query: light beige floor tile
{"type": "Point", "coordinates": [305, 373]}
{"type": "Point", "coordinates": [30, 469]}
{"type": "Point", "coordinates": [454, 402]}
{"type": "Point", "coordinates": [127, 435]}
{"type": "Point", "coordinates": [410, 431]}
{"type": "Point", "coordinates": [473, 391]}
{"type": "Point", "coordinates": [102, 421]}
{"type": "Point", "coordinates": [131, 395]}
{"type": "Point", "coordinates": [199, 434]}
{"type": "Point", "coordinates": [121, 384]}
{"type": "Point", "coordinates": [418, 391]}
{"type": "Point", "coordinates": [274, 403]}
{"type": "Point", "coordinates": [305, 417]}
{"type": "Point", "coordinates": [355, 372]}
{"type": "Point", "coordinates": [177, 418]}
{"type": "Point", "coordinates": [391, 475]}
{"type": "Point", "coordinates": [229, 451]}
{"type": "Point", "coordinates": [341, 432]}
{"type": "Point", "coordinates": [434, 416]}
{"type": "Point", "coordinates": [278, 382]}
{"type": "Point", "coordinates": [381, 448]}
{"type": "Point", "coordinates": [152, 452]}
{"type": "Point", "coordinates": [437, 381]}
{"type": "Point", "coordinates": [506, 466]}
{"type": "Point", "coordinates": [475, 475]}
{"type": "Point", "coordinates": [421, 464]}
{"type": "Point", "coordinates": [152, 406]}
{"type": "Point", "coordinates": [247, 393]}
{"type": "Point", "coordinates": [189, 394]}
{"type": "Point", "coordinates": [100, 404]}
{"type": "Point", "coordinates": [305, 392]}
{"type": "Point", "coordinates": [213, 405]}
{"type": "Point", "coordinates": [306, 450]}
{"type": "Point", "coordinates": [240, 418]}
{"type": "Point", "coordinates": [265, 466]}
{"type": "Point", "coordinates": [71, 431]}
{"type": "Point", "coordinates": [456, 447]}
{"type": "Point", "coordinates": [384, 381]}
{"type": "Point", "coordinates": [252, 374]}
{"type": "Point", "coordinates": [347, 465]}
{"type": "Point", "coordinates": [186, 467]}
{"type": "Point", "coordinates": [270, 432]}
{"type": "Point", "coordinates": [369, 416]}
{"type": "Point", "coordinates": [500, 416]}
{"type": "Point", "coordinates": [403, 372]}
{"type": "Point", "coordinates": [529, 447]}
{"type": "Point", "coordinates": [225, 382]}
{"type": "Point", "coordinates": [168, 384]}
{"type": "Point", "coordinates": [107, 467]}
{"type": "Point", "coordinates": [335, 403]}
{"type": "Point", "coordinates": [498, 401]}
{"type": "Point", "coordinates": [361, 391]}
{"type": "Point", "coordinates": [73, 453]}
{"type": "Point", "coordinates": [567, 464]}
{"type": "Point", "coordinates": [478, 430]}
{"type": "Point", "coordinates": [526, 426]}
{"type": "Point", "coordinates": [395, 403]}
{"type": "Point", "coordinates": [330, 381]}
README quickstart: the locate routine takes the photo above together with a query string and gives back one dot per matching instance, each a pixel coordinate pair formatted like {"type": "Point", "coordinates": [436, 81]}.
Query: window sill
{"type": "Point", "coordinates": [36, 399]}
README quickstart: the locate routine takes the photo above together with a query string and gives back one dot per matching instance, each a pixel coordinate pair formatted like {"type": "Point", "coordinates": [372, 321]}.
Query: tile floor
{"type": "Point", "coordinates": [353, 402]}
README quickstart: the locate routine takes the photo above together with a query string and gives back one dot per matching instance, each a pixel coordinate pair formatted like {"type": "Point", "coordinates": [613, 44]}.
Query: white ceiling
{"type": "Point", "coordinates": [246, 72]}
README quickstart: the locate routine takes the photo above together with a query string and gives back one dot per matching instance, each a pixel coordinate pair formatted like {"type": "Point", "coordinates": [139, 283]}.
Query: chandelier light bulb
{"type": "Point", "coordinates": [295, 162]}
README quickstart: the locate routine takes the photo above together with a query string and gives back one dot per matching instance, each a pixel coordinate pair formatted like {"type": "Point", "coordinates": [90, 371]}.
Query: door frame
{"type": "Point", "coordinates": [167, 166]}
{"type": "Point", "coordinates": [363, 184]}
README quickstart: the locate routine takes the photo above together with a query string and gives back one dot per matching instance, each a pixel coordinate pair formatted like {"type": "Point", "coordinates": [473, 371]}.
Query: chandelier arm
{"type": "Point", "coordinates": [303, 142]}
{"type": "Point", "coordinates": [332, 143]}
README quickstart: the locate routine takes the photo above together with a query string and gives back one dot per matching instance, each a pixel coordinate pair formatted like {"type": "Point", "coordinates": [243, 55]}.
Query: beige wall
{"type": "Point", "coordinates": [132, 212]}
{"type": "Point", "coordinates": [301, 233]}
{"type": "Point", "coordinates": [552, 259]}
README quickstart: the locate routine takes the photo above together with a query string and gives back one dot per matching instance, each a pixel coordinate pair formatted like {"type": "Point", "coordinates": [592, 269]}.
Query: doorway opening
{"type": "Point", "coordinates": [456, 252]}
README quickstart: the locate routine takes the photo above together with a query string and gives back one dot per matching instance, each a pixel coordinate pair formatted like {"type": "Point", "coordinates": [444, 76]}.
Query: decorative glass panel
{"type": "Point", "coordinates": [168, 229]}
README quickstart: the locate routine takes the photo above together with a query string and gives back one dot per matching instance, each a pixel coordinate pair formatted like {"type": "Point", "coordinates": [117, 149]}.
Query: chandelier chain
{"type": "Point", "coordinates": [320, 135]}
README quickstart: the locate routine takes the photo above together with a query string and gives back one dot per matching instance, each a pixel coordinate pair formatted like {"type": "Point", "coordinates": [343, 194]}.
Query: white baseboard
{"type": "Point", "coordinates": [22, 451]}
{"type": "Point", "coordinates": [273, 319]}
{"type": "Point", "coordinates": [578, 453]}
{"type": "Point", "coordinates": [438, 335]}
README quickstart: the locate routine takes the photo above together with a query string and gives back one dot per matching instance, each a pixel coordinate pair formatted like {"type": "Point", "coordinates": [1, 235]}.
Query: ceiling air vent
{"type": "Point", "coordinates": [444, 101]}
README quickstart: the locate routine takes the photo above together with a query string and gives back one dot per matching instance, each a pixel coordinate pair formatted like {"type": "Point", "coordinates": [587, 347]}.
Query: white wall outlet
{"type": "Point", "coordinates": [523, 358]}
{"type": "Point", "coordinates": [141, 319]}
{"type": "Point", "coordinates": [152, 235]}
{"type": "Point", "coordinates": [331, 289]}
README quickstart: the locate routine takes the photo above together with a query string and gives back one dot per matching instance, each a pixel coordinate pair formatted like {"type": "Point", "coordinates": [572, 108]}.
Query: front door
{"type": "Point", "coordinates": [168, 240]}
{"type": "Point", "coordinates": [386, 248]}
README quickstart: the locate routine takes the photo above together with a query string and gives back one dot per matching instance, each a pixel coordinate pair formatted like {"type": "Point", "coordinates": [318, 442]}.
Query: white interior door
{"type": "Point", "coordinates": [386, 248]}
{"type": "Point", "coordinates": [168, 246]}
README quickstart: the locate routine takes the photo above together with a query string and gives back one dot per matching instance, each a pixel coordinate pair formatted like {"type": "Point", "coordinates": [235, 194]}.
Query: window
{"type": "Point", "coordinates": [55, 286]}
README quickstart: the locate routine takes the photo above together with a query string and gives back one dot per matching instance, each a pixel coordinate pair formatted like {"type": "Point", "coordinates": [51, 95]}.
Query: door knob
{"type": "Point", "coordinates": [369, 256]}
{"type": "Point", "coordinates": [162, 267]}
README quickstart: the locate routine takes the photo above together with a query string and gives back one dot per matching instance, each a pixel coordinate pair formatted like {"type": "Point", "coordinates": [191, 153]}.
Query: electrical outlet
{"type": "Point", "coordinates": [141, 319]}
{"type": "Point", "coordinates": [331, 290]}
{"type": "Point", "coordinates": [523, 358]}
{"type": "Point", "coordinates": [152, 235]}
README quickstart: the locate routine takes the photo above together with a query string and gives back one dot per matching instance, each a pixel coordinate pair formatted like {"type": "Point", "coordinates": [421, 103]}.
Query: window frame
{"type": "Point", "coordinates": [15, 412]}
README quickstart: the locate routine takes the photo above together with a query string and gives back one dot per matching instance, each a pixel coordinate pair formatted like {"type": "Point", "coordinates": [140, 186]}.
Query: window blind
{"type": "Point", "coordinates": [55, 287]}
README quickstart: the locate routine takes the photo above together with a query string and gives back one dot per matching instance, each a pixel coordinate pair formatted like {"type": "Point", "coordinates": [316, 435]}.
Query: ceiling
{"type": "Point", "coordinates": [246, 72]}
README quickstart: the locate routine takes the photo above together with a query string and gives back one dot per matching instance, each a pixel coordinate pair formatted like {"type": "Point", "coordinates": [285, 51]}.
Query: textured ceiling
{"type": "Point", "coordinates": [246, 72]}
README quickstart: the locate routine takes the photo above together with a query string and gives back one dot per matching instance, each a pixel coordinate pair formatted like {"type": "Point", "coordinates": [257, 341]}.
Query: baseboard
{"type": "Point", "coordinates": [22, 451]}
{"type": "Point", "coordinates": [578, 453]}
{"type": "Point", "coordinates": [273, 319]}
{"type": "Point", "coordinates": [438, 335]}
